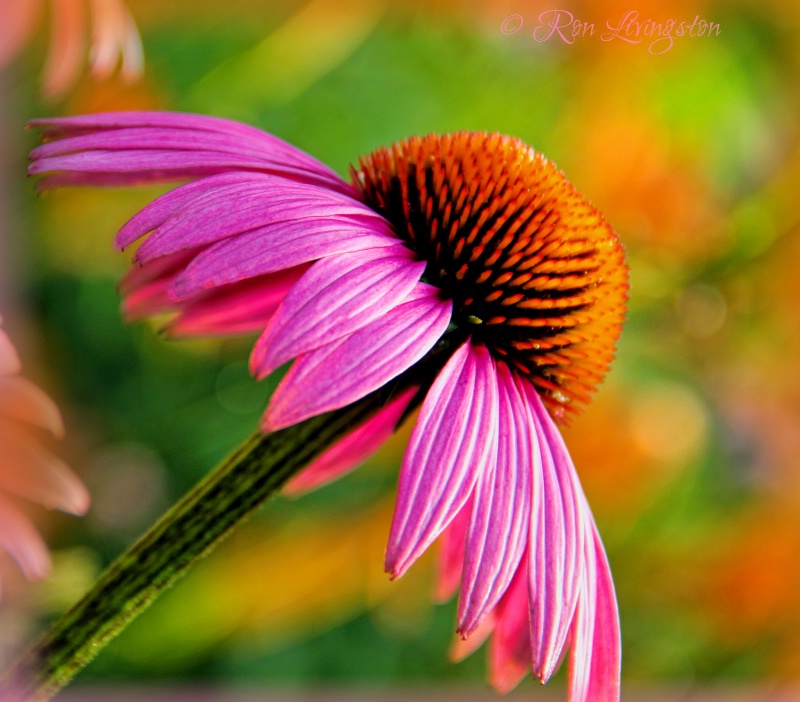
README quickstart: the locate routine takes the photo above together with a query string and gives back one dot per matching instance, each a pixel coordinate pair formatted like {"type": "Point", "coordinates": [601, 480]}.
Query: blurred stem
{"type": "Point", "coordinates": [240, 484]}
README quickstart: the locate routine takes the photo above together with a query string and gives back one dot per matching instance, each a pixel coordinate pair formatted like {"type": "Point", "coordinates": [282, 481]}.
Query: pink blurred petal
{"type": "Point", "coordinates": [114, 36]}
{"type": "Point", "coordinates": [354, 449]}
{"type": "Point", "coordinates": [339, 373]}
{"type": "Point", "coordinates": [37, 475]}
{"type": "Point", "coordinates": [336, 297]}
{"type": "Point", "coordinates": [9, 361]}
{"type": "Point", "coordinates": [164, 268]}
{"type": "Point", "coordinates": [239, 308]}
{"type": "Point", "coordinates": [131, 48]}
{"type": "Point", "coordinates": [498, 531]}
{"type": "Point", "coordinates": [510, 652]}
{"type": "Point", "coordinates": [22, 542]}
{"type": "Point", "coordinates": [17, 22]}
{"type": "Point", "coordinates": [146, 287]}
{"type": "Point", "coordinates": [25, 402]}
{"type": "Point", "coordinates": [67, 46]}
{"type": "Point", "coordinates": [451, 554]}
{"type": "Point", "coordinates": [454, 441]}
{"type": "Point", "coordinates": [280, 245]}
{"type": "Point", "coordinates": [462, 647]}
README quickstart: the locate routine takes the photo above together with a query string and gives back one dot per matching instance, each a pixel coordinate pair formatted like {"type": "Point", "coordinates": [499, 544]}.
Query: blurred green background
{"type": "Point", "coordinates": [689, 454]}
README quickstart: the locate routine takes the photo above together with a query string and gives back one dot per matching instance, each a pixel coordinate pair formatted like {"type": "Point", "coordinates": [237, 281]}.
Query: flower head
{"type": "Point", "coordinates": [465, 272]}
{"type": "Point", "coordinates": [26, 469]}
{"type": "Point", "coordinates": [114, 39]}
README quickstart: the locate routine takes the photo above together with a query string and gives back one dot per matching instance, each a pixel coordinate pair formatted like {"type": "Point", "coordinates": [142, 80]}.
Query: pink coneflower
{"type": "Point", "coordinates": [114, 39]}
{"type": "Point", "coordinates": [26, 469]}
{"type": "Point", "coordinates": [465, 264]}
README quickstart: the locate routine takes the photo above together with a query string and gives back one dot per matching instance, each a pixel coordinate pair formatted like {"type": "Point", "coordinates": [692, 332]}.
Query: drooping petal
{"type": "Point", "coordinates": [556, 545]}
{"type": "Point", "coordinates": [229, 210]}
{"type": "Point", "coordinates": [354, 449]}
{"type": "Point", "coordinates": [25, 402]}
{"type": "Point", "coordinates": [137, 166]}
{"type": "Point", "coordinates": [340, 373]}
{"type": "Point", "coordinates": [510, 651]}
{"type": "Point", "coordinates": [22, 542]}
{"type": "Point", "coordinates": [453, 443]}
{"type": "Point", "coordinates": [582, 630]}
{"type": "Point", "coordinates": [176, 146]}
{"type": "Point", "coordinates": [498, 530]}
{"type": "Point", "coordinates": [38, 475]}
{"type": "Point", "coordinates": [277, 246]}
{"type": "Point", "coordinates": [336, 297]}
{"type": "Point", "coordinates": [177, 199]}
{"type": "Point", "coordinates": [600, 679]}
{"type": "Point", "coordinates": [248, 137]}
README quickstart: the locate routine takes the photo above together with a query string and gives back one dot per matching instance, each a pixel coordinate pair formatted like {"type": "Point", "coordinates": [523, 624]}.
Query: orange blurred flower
{"type": "Point", "coordinates": [26, 469]}
{"type": "Point", "coordinates": [114, 39]}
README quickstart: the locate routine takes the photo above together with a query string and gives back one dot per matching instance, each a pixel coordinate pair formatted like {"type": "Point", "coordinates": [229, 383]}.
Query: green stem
{"type": "Point", "coordinates": [189, 531]}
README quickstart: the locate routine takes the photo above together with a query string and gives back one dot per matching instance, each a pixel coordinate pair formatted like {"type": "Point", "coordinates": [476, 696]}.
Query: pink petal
{"type": "Point", "coordinates": [239, 308]}
{"type": "Point", "coordinates": [25, 402]}
{"type": "Point", "coordinates": [162, 208]}
{"type": "Point", "coordinates": [451, 554]}
{"type": "Point", "coordinates": [234, 209]}
{"type": "Point", "coordinates": [556, 544]}
{"type": "Point", "coordinates": [246, 148]}
{"type": "Point", "coordinates": [277, 246]}
{"type": "Point", "coordinates": [336, 297]}
{"type": "Point", "coordinates": [354, 449]}
{"type": "Point", "coordinates": [67, 46]}
{"type": "Point", "coordinates": [9, 361]}
{"type": "Point", "coordinates": [37, 475]}
{"type": "Point", "coordinates": [134, 166]}
{"type": "Point", "coordinates": [256, 140]}
{"type": "Point", "coordinates": [17, 22]}
{"type": "Point", "coordinates": [114, 34]}
{"type": "Point", "coordinates": [455, 440]}
{"type": "Point", "coordinates": [510, 652]}
{"type": "Point", "coordinates": [22, 542]}
{"type": "Point", "coordinates": [145, 287]}
{"type": "Point", "coordinates": [599, 678]}
{"type": "Point", "coordinates": [498, 530]}
{"type": "Point", "coordinates": [164, 268]}
{"type": "Point", "coordinates": [340, 373]}
{"type": "Point", "coordinates": [463, 647]}
{"type": "Point", "coordinates": [584, 623]}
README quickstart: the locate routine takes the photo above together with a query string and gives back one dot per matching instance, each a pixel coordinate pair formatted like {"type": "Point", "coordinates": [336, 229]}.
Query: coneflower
{"type": "Point", "coordinates": [459, 274]}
